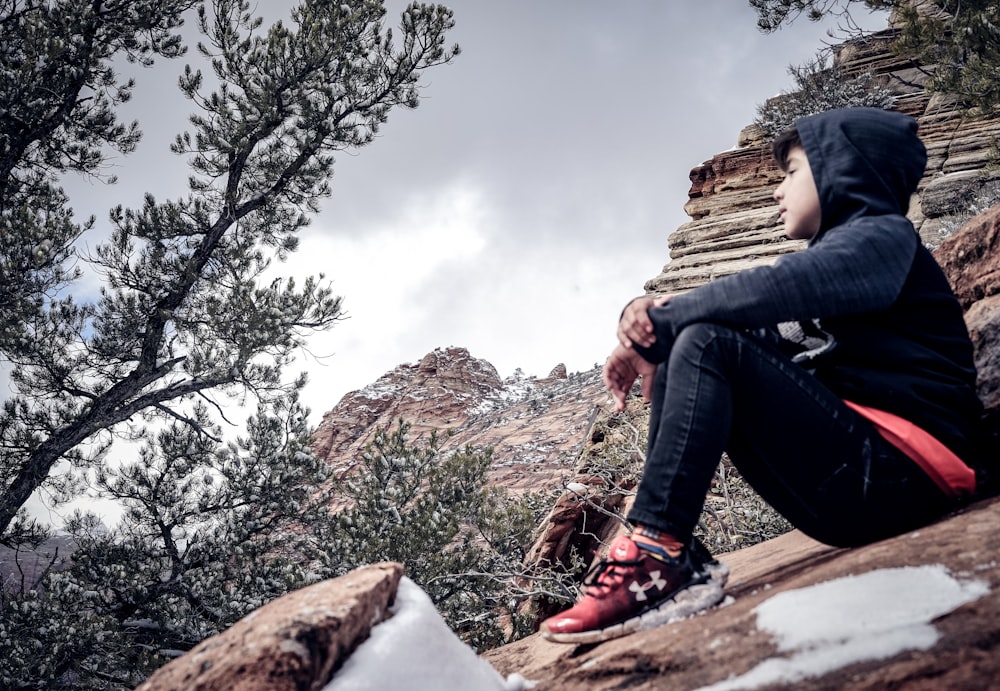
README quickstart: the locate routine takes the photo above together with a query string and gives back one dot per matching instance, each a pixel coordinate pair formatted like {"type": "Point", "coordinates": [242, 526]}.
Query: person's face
{"type": "Point", "coordinates": [798, 200]}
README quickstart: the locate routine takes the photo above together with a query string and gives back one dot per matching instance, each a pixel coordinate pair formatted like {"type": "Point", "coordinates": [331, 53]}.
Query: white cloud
{"type": "Point", "coordinates": [385, 272]}
{"type": "Point", "coordinates": [570, 133]}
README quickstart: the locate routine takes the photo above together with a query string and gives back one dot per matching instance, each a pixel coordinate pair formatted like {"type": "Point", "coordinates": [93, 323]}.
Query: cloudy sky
{"type": "Point", "coordinates": [528, 197]}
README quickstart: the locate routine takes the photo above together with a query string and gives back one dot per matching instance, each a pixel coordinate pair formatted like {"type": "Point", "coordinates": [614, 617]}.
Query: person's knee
{"type": "Point", "coordinates": [697, 337]}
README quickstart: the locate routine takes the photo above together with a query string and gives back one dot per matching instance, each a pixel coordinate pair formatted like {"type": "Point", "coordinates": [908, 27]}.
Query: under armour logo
{"type": "Point", "coordinates": [640, 590]}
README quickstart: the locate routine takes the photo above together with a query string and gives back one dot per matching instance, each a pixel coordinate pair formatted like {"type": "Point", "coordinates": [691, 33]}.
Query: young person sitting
{"type": "Point", "coordinates": [839, 380]}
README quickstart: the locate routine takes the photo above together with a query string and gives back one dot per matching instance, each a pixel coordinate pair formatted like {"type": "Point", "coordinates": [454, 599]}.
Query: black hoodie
{"type": "Point", "coordinates": [901, 344]}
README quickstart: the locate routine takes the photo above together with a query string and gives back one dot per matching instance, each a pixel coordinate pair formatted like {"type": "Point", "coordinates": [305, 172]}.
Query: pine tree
{"type": "Point", "coordinates": [211, 528]}
{"type": "Point", "coordinates": [210, 532]}
{"type": "Point", "coordinates": [820, 87]}
{"type": "Point", "coordinates": [461, 541]}
{"type": "Point", "coordinates": [183, 311]}
{"type": "Point", "coordinates": [58, 94]}
{"type": "Point", "coordinates": [956, 41]}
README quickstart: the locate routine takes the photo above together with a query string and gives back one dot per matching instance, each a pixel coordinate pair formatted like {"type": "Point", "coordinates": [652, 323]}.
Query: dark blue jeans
{"type": "Point", "coordinates": [812, 458]}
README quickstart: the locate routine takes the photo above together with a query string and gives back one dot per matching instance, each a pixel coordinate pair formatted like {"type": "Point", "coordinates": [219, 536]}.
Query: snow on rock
{"type": "Point", "coordinates": [872, 616]}
{"type": "Point", "coordinates": [894, 589]}
{"type": "Point", "coordinates": [415, 650]}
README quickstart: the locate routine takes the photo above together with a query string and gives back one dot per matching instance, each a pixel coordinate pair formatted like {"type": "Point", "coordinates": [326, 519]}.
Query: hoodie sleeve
{"type": "Point", "coordinates": [855, 268]}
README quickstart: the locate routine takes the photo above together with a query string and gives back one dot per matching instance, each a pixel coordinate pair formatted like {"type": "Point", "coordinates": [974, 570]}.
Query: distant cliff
{"type": "Point", "coordinates": [536, 427]}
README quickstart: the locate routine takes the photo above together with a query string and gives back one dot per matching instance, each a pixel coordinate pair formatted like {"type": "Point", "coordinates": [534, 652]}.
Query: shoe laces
{"type": "Point", "coordinates": [606, 574]}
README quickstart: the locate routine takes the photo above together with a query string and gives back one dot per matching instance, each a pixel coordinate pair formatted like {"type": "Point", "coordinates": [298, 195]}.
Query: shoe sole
{"type": "Point", "coordinates": [691, 600]}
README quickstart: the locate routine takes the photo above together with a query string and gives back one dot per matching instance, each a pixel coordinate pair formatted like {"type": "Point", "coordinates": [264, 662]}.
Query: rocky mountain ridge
{"type": "Point", "coordinates": [535, 426]}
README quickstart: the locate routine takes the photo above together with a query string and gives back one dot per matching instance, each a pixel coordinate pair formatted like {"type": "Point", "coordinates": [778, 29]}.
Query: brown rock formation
{"type": "Point", "coordinates": [971, 258]}
{"type": "Point", "coordinates": [441, 390]}
{"type": "Point", "coordinates": [536, 427]}
{"type": "Point", "coordinates": [983, 320]}
{"type": "Point", "coordinates": [296, 642]}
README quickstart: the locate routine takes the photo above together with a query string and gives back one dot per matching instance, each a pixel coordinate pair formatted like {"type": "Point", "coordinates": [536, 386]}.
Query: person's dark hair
{"type": "Point", "coordinates": [782, 144]}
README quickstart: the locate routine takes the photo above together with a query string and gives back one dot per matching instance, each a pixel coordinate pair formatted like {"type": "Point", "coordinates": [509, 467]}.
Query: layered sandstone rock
{"type": "Point", "coordinates": [734, 223]}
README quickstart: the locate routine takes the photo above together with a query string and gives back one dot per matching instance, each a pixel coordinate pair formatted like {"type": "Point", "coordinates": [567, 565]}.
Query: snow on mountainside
{"type": "Point", "coordinates": [536, 426]}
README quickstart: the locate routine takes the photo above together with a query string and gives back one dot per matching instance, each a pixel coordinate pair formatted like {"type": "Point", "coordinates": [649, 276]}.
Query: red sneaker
{"type": "Point", "coordinates": [635, 589]}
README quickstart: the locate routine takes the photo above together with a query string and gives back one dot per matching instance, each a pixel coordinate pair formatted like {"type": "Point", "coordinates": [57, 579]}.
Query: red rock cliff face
{"type": "Point", "coordinates": [536, 427]}
{"type": "Point", "coordinates": [441, 391]}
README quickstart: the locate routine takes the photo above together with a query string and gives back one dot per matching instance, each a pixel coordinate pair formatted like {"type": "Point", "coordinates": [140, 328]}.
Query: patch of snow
{"type": "Point", "coordinates": [874, 616]}
{"type": "Point", "coordinates": [415, 650]}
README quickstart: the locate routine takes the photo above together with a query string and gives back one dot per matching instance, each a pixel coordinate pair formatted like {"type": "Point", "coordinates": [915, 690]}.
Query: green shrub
{"type": "Point", "coordinates": [818, 88]}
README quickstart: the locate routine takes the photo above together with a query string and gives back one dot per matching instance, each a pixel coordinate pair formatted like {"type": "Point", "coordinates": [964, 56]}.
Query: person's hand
{"type": "Point", "coordinates": [624, 365]}
{"type": "Point", "coordinates": [635, 327]}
